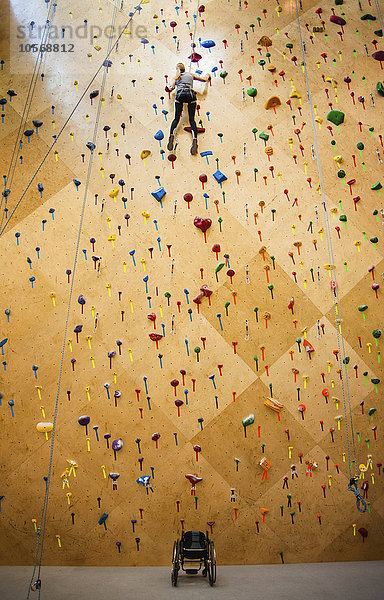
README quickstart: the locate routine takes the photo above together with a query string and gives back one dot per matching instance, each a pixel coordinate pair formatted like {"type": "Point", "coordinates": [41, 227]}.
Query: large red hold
{"type": "Point", "coordinates": [338, 20]}
{"type": "Point", "coordinates": [155, 337]}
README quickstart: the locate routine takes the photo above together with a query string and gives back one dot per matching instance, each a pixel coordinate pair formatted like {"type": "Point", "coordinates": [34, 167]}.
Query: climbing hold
{"type": "Point", "coordinates": [295, 94]}
{"type": "Point", "coordinates": [203, 225]}
{"type": "Point", "coordinates": [208, 44]}
{"type": "Point", "coordinates": [379, 56]}
{"type": "Point", "coordinates": [159, 194]}
{"type": "Point", "coordinates": [272, 103]}
{"type": "Point", "coordinates": [252, 92]}
{"type": "Point", "coordinates": [336, 117]}
{"type": "Point", "coordinates": [265, 41]}
{"type": "Point", "coordinates": [219, 176]}
{"type": "Point", "coordinates": [337, 20]}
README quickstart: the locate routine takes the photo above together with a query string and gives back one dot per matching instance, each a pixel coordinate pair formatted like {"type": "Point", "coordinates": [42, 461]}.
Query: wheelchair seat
{"type": "Point", "coordinates": [194, 544]}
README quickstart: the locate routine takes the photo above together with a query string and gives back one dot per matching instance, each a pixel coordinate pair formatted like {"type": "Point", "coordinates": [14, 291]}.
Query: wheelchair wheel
{"type": "Point", "coordinates": [211, 563]}
{"type": "Point", "coordinates": [175, 563]}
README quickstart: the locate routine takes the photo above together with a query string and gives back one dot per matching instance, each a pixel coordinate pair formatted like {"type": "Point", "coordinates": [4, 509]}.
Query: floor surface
{"type": "Point", "coordinates": [315, 581]}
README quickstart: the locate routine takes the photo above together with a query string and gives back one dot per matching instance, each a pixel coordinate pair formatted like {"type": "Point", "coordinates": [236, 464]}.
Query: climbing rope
{"type": "Point", "coordinates": [194, 34]}
{"type": "Point", "coordinates": [27, 106]}
{"type": "Point", "coordinates": [380, 16]}
{"type": "Point", "coordinates": [136, 9]}
{"type": "Point", "coordinates": [352, 487]}
{"type": "Point", "coordinates": [35, 582]}
{"type": "Point", "coordinates": [335, 295]}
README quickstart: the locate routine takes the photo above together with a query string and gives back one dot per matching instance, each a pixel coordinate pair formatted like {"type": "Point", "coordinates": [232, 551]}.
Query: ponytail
{"type": "Point", "coordinates": [181, 69]}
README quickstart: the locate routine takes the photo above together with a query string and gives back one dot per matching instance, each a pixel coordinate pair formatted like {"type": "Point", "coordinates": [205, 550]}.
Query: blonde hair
{"type": "Point", "coordinates": [181, 69]}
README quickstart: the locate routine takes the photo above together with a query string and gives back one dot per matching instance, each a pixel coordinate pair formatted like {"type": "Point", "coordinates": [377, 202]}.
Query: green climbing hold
{"type": "Point", "coordinates": [248, 420]}
{"type": "Point", "coordinates": [343, 218]}
{"type": "Point", "coordinates": [376, 333]}
{"type": "Point", "coordinates": [252, 92]}
{"type": "Point", "coordinates": [360, 146]}
{"type": "Point", "coordinates": [380, 88]}
{"type": "Point", "coordinates": [376, 186]}
{"type": "Point", "coordinates": [367, 17]}
{"type": "Point", "coordinates": [336, 117]}
{"type": "Point", "coordinates": [362, 307]}
{"type": "Point", "coordinates": [220, 266]}
{"type": "Point", "coordinates": [264, 136]}
{"type": "Point", "coordinates": [378, 32]}
{"type": "Point", "coordinates": [223, 74]}
{"type": "Point", "coordinates": [339, 2]}
{"type": "Point", "coordinates": [341, 174]}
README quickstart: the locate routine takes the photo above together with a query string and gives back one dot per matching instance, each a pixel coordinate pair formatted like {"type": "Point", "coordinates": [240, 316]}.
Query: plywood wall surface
{"type": "Point", "coordinates": [288, 225]}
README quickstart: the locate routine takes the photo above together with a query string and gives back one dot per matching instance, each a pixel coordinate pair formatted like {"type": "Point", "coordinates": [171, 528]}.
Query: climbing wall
{"type": "Point", "coordinates": [168, 317]}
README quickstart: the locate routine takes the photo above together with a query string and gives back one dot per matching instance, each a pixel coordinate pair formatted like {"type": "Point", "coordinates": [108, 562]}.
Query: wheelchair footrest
{"type": "Point", "coordinates": [191, 571]}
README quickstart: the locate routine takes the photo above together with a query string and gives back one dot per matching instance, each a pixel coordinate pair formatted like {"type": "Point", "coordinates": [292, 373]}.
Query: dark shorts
{"type": "Point", "coordinates": [185, 96]}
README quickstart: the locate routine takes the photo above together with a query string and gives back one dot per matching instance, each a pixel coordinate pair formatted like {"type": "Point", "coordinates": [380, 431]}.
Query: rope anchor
{"type": "Point", "coordinates": [352, 487]}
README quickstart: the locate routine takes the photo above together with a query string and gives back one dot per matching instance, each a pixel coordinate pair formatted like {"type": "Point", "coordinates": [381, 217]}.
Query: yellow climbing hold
{"type": "Point", "coordinates": [294, 93]}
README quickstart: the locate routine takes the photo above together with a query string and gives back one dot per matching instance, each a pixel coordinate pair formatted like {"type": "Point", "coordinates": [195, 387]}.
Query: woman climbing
{"type": "Point", "coordinates": [183, 82]}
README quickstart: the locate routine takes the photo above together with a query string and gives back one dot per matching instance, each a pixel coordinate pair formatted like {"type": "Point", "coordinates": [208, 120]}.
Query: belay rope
{"type": "Point", "coordinates": [352, 486]}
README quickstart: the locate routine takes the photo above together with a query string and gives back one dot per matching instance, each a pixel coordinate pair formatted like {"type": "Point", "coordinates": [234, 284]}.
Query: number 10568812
{"type": "Point", "coordinates": [46, 47]}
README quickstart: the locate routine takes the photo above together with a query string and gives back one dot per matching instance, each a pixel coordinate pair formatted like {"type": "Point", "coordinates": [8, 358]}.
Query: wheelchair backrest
{"type": "Point", "coordinates": [194, 540]}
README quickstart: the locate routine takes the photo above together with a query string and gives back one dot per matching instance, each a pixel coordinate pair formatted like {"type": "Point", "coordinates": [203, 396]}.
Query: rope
{"type": "Point", "coordinates": [28, 103]}
{"type": "Point", "coordinates": [379, 15]}
{"type": "Point", "coordinates": [336, 303]}
{"type": "Point", "coordinates": [69, 118]}
{"type": "Point", "coordinates": [194, 34]}
{"type": "Point", "coordinates": [42, 524]}
{"type": "Point", "coordinates": [352, 487]}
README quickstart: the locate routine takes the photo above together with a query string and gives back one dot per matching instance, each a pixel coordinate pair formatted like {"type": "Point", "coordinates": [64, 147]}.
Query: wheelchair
{"type": "Point", "coordinates": [196, 550]}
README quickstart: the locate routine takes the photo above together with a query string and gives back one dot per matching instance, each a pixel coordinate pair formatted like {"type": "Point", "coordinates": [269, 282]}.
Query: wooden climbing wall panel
{"type": "Point", "coordinates": [290, 228]}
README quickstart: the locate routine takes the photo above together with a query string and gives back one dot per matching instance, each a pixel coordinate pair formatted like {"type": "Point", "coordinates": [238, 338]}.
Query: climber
{"type": "Point", "coordinates": [185, 93]}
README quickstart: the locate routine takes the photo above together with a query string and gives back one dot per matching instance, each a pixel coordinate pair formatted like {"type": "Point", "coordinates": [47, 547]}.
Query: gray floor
{"type": "Point", "coordinates": [322, 581]}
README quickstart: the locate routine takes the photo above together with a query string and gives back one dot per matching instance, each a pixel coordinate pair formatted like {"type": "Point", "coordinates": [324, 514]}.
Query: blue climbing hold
{"type": "Point", "coordinates": [219, 176]}
{"type": "Point", "coordinates": [208, 44]}
{"type": "Point", "coordinates": [159, 194]}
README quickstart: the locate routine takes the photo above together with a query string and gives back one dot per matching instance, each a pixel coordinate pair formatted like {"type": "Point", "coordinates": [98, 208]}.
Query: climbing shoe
{"type": "Point", "coordinates": [170, 142]}
{"type": "Point", "coordinates": [194, 146]}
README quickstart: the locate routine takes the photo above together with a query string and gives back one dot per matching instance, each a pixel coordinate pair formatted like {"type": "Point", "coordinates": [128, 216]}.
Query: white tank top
{"type": "Point", "coordinates": [185, 82]}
